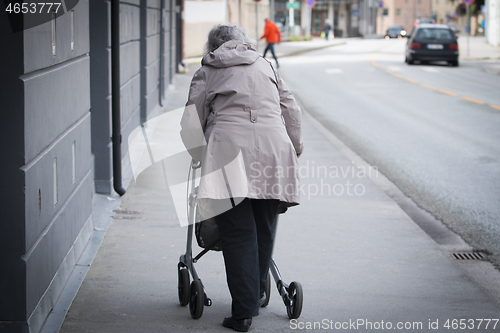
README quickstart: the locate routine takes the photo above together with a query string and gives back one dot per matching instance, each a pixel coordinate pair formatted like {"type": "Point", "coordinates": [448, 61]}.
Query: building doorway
{"type": "Point", "coordinates": [318, 21]}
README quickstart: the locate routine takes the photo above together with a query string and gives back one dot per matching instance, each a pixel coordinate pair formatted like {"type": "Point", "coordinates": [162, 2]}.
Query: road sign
{"type": "Point", "coordinates": [294, 5]}
{"type": "Point", "coordinates": [311, 3]}
{"type": "Point", "coordinates": [381, 4]}
{"type": "Point", "coordinates": [355, 12]}
{"type": "Point", "coordinates": [468, 2]}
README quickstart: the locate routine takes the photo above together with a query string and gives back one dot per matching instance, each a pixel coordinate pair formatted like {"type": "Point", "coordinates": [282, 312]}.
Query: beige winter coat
{"type": "Point", "coordinates": [251, 124]}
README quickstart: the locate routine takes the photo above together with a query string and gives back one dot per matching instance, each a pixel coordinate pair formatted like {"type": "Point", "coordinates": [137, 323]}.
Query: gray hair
{"type": "Point", "coordinates": [224, 33]}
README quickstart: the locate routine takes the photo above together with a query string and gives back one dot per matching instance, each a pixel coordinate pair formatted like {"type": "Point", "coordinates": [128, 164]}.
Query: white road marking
{"type": "Point", "coordinates": [431, 69]}
{"type": "Point", "coordinates": [333, 71]}
{"type": "Point", "coordinates": [395, 68]}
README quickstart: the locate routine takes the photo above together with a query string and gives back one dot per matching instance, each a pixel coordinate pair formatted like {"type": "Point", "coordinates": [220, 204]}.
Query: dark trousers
{"type": "Point", "coordinates": [247, 234]}
{"type": "Point", "coordinates": [270, 47]}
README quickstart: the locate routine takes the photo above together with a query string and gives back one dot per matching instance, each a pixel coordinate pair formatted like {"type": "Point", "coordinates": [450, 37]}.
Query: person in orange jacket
{"type": "Point", "coordinates": [273, 35]}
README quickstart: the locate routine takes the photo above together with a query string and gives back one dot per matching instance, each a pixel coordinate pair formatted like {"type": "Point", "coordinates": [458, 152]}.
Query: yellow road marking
{"type": "Point", "coordinates": [447, 92]}
{"type": "Point", "coordinates": [373, 53]}
{"type": "Point", "coordinates": [473, 100]}
{"type": "Point", "coordinates": [428, 86]}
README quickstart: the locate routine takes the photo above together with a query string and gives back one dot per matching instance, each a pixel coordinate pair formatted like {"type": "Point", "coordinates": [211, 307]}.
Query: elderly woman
{"type": "Point", "coordinates": [251, 137]}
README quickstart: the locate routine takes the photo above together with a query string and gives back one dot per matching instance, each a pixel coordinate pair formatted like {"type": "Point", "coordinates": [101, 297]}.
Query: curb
{"type": "Point", "coordinates": [197, 60]}
{"type": "Point", "coordinates": [310, 49]}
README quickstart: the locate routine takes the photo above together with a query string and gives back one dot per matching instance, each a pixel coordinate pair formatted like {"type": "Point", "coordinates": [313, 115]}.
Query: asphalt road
{"type": "Point", "coordinates": [363, 264]}
{"type": "Point", "coordinates": [431, 129]}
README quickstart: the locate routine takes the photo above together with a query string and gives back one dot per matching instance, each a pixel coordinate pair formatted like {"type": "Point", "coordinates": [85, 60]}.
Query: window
{"type": "Point", "coordinates": [435, 34]}
{"type": "Point", "coordinates": [398, 12]}
{"type": "Point", "coordinates": [280, 5]}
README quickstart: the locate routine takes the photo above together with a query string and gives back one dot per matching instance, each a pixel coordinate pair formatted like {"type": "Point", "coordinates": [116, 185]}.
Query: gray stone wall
{"type": "Point", "coordinates": [55, 87]}
{"type": "Point", "coordinates": [144, 78]}
{"type": "Point", "coordinates": [51, 90]}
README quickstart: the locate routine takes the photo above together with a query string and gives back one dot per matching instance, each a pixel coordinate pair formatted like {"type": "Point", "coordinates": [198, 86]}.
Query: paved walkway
{"type": "Point", "coordinates": [359, 257]}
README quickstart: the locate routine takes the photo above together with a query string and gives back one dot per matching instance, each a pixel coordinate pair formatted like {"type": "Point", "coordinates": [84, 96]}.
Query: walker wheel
{"type": "Point", "coordinates": [267, 292]}
{"type": "Point", "coordinates": [295, 296]}
{"type": "Point", "coordinates": [196, 299]}
{"type": "Point", "coordinates": [183, 285]}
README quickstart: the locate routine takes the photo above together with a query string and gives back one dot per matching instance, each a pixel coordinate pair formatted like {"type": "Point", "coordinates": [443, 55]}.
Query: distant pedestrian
{"type": "Point", "coordinates": [272, 34]}
{"type": "Point", "coordinates": [327, 27]}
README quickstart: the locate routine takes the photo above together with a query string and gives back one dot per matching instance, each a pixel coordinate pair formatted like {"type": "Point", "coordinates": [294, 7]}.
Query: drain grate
{"type": "Point", "coordinates": [467, 255]}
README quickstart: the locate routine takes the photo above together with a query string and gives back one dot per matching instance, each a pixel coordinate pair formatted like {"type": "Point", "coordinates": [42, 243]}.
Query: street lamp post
{"type": "Point", "coordinates": [468, 27]}
{"type": "Point", "coordinates": [467, 5]}
{"type": "Point", "coordinates": [257, 24]}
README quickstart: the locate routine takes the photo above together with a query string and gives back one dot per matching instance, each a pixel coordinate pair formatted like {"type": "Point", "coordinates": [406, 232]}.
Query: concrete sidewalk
{"type": "Point", "coordinates": [358, 255]}
{"type": "Point", "coordinates": [287, 49]}
{"type": "Point", "coordinates": [476, 48]}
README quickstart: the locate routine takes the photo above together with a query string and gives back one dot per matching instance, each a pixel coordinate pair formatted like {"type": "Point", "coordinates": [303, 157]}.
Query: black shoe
{"type": "Point", "coordinates": [242, 325]}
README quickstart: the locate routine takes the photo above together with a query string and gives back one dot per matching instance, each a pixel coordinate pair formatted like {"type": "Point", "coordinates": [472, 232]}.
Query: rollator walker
{"type": "Point", "coordinates": [193, 293]}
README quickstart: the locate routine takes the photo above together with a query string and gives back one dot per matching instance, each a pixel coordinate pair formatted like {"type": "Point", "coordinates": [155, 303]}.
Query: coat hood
{"type": "Point", "coordinates": [231, 53]}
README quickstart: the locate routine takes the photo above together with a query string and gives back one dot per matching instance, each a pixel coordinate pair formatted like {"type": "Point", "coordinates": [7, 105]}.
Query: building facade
{"type": "Point", "coordinates": [200, 16]}
{"type": "Point", "coordinates": [443, 11]}
{"type": "Point", "coordinates": [403, 12]}
{"type": "Point", "coordinates": [56, 148]}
